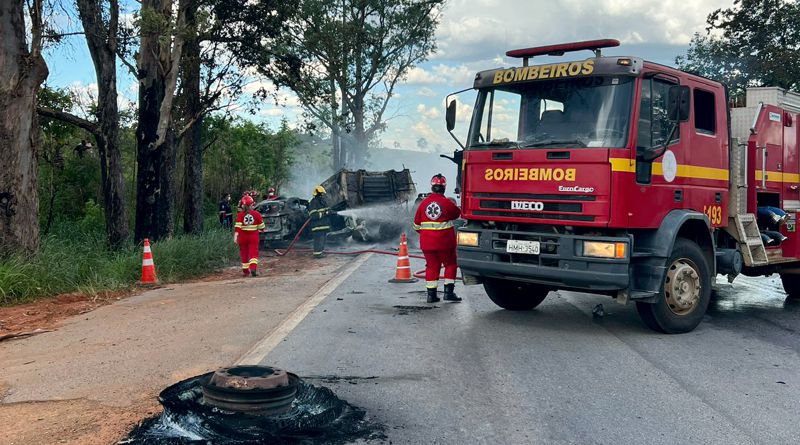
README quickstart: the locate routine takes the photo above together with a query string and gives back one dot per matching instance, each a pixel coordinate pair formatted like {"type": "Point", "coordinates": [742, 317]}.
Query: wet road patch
{"type": "Point", "coordinates": [405, 310]}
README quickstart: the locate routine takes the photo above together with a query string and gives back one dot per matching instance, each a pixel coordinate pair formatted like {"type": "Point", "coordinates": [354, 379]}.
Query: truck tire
{"type": "Point", "coordinates": [685, 294]}
{"type": "Point", "coordinates": [791, 284]}
{"type": "Point", "coordinates": [515, 295]}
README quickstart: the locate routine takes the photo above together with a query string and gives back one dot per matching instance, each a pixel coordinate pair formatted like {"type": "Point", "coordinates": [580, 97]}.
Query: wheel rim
{"type": "Point", "coordinates": [682, 287]}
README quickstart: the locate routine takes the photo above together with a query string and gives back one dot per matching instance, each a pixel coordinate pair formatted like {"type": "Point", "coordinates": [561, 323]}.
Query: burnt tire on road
{"type": "Point", "coordinates": [515, 295]}
{"type": "Point", "coordinates": [686, 292]}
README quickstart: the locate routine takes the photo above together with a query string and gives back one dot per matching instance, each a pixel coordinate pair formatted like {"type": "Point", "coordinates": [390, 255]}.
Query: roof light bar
{"type": "Point", "coordinates": [560, 49]}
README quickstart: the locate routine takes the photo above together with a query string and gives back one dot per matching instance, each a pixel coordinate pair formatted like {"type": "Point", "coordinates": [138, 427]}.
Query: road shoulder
{"type": "Point", "coordinates": [100, 372]}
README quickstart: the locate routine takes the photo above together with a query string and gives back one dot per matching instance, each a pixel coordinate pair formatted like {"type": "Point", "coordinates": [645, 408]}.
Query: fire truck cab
{"type": "Point", "coordinates": [620, 176]}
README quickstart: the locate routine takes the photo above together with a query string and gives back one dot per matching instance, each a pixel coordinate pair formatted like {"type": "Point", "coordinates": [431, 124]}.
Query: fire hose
{"type": "Point", "coordinates": [418, 274]}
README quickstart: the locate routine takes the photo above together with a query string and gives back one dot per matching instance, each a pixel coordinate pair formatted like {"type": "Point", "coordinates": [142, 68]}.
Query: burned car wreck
{"type": "Point", "coordinates": [370, 206]}
{"type": "Point", "coordinates": [284, 217]}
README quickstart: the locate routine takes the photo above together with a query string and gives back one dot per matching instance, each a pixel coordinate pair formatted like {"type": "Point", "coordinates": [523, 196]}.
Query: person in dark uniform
{"type": "Point", "coordinates": [319, 214]}
{"type": "Point", "coordinates": [225, 212]}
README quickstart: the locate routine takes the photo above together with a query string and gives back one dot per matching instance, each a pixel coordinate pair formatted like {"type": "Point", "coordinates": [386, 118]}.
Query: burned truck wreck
{"type": "Point", "coordinates": [370, 206]}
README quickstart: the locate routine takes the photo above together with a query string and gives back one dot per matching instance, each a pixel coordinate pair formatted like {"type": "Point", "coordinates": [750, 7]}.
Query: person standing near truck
{"type": "Point", "coordinates": [225, 212]}
{"type": "Point", "coordinates": [319, 214]}
{"type": "Point", "coordinates": [248, 224]}
{"type": "Point", "coordinates": [437, 238]}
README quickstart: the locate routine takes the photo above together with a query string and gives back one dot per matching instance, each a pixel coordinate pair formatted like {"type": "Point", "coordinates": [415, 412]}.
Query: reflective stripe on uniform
{"type": "Point", "coordinates": [417, 226]}
{"type": "Point", "coordinates": [250, 227]}
{"type": "Point", "coordinates": [449, 281]}
{"type": "Point", "coordinates": [245, 265]}
{"type": "Point", "coordinates": [431, 284]}
{"type": "Point", "coordinates": [317, 229]}
{"type": "Point", "coordinates": [253, 261]}
{"type": "Point", "coordinates": [261, 226]}
{"type": "Point", "coordinates": [324, 209]}
{"type": "Point", "coordinates": [434, 225]}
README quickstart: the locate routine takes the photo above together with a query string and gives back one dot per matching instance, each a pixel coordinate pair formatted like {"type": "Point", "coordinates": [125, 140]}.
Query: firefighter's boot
{"type": "Point", "coordinates": [449, 293]}
{"type": "Point", "coordinates": [253, 273]}
{"type": "Point", "coordinates": [432, 298]}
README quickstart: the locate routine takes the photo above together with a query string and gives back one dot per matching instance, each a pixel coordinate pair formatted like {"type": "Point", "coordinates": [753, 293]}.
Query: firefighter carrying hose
{"type": "Point", "coordinates": [437, 238]}
{"type": "Point", "coordinates": [319, 213]}
{"type": "Point", "coordinates": [248, 224]}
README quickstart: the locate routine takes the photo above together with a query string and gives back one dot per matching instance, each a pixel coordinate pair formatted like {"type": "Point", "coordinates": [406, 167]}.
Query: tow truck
{"type": "Point", "coordinates": [619, 176]}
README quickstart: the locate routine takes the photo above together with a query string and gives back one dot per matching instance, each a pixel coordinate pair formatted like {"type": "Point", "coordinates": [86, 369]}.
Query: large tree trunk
{"type": "Point", "coordinates": [158, 61]}
{"type": "Point", "coordinates": [148, 175]}
{"type": "Point", "coordinates": [21, 73]}
{"type": "Point", "coordinates": [191, 142]}
{"type": "Point", "coordinates": [102, 44]}
{"type": "Point", "coordinates": [360, 142]}
{"type": "Point", "coordinates": [165, 207]}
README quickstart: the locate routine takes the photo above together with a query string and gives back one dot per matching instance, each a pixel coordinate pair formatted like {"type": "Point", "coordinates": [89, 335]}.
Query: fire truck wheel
{"type": "Point", "coordinates": [687, 291]}
{"type": "Point", "coordinates": [791, 284]}
{"type": "Point", "coordinates": [515, 295]}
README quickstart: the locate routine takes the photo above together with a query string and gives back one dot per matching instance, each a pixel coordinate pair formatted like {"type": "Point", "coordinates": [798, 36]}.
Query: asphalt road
{"type": "Point", "coordinates": [473, 373]}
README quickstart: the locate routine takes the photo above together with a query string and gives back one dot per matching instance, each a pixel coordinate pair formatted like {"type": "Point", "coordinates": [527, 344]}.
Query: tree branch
{"type": "Point", "coordinates": [69, 118]}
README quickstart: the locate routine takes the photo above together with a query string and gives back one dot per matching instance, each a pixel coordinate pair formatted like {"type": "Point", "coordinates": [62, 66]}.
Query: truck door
{"type": "Point", "coordinates": [707, 167]}
{"type": "Point", "coordinates": [659, 184]}
{"type": "Point", "coordinates": [769, 152]}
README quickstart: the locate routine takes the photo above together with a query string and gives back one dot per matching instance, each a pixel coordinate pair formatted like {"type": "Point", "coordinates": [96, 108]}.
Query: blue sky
{"type": "Point", "coordinates": [473, 36]}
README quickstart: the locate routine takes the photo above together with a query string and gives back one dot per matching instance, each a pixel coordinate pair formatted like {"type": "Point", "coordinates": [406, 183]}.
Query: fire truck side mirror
{"type": "Point", "coordinates": [678, 107]}
{"type": "Point", "coordinates": [450, 116]}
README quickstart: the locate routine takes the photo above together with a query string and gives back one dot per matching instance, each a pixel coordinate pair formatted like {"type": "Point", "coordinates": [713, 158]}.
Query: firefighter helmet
{"type": "Point", "coordinates": [247, 200]}
{"type": "Point", "coordinates": [439, 180]}
{"type": "Point", "coordinates": [319, 190]}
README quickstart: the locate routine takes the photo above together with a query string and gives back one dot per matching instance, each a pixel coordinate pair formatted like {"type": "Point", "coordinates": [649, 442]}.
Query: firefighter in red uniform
{"type": "Point", "coordinates": [437, 238]}
{"type": "Point", "coordinates": [248, 224]}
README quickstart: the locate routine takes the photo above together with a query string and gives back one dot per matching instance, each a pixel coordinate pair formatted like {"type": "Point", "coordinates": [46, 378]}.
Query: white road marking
{"type": "Point", "coordinates": [259, 352]}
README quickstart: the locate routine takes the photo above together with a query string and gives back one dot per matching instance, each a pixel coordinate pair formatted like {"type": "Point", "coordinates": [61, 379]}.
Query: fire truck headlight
{"type": "Point", "coordinates": [604, 250]}
{"type": "Point", "coordinates": [468, 239]}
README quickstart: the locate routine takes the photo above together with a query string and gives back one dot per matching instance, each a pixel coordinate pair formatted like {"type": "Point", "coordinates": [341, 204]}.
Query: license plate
{"type": "Point", "coordinates": [526, 247]}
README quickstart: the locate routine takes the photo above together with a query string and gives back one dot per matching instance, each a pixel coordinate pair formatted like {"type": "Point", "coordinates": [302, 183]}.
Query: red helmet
{"type": "Point", "coordinates": [247, 200]}
{"type": "Point", "coordinates": [439, 180]}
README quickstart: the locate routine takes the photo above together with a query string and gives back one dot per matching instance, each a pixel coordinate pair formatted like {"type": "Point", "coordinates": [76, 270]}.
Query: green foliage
{"type": "Point", "coordinates": [358, 49]}
{"type": "Point", "coordinates": [69, 169]}
{"type": "Point", "coordinates": [243, 155]}
{"type": "Point", "coordinates": [754, 43]}
{"type": "Point", "coordinates": [73, 260]}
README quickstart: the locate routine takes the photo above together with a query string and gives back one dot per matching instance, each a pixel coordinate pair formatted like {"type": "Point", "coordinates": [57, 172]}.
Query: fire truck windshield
{"type": "Point", "coordinates": [584, 112]}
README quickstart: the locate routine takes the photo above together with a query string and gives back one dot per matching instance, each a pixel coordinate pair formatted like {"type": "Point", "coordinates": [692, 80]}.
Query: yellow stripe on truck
{"type": "Point", "coordinates": [778, 176]}
{"type": "Point", "coordinates": [684, 171]}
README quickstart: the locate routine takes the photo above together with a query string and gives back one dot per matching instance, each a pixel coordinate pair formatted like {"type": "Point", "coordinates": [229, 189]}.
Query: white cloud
{"type": "Point", "coordinates": [426, 92]}
{"type": "Point", "coordinates": [428, 113]}
{"type": "Point", "coordinates": [272, 112]}
{"type": "Point", "coordinates": [469, 32]}
{"type": "Point", "coordinates": [419, 76]}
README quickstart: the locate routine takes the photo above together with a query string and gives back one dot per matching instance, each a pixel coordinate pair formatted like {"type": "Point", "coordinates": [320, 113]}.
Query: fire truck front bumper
{"type": "Point", "coordinates": [563, 261]}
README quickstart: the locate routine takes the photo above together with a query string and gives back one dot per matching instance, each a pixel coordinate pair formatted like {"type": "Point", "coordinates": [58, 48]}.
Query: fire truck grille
{"type": "Point", "coordinates": [534, 196]}
{"type": "Point", "coordinates": [551, 216]}
{"type": "Point", "coordinates": [574, 207]}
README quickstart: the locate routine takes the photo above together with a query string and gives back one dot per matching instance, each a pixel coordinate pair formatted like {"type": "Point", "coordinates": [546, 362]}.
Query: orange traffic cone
{"type": "Point", "coordinates": [148, 266]}
{"type": "Point", "coordinates": [403, 271]}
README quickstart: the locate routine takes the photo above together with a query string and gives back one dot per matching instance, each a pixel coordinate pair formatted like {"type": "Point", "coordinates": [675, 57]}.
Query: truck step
{"type": "Point", "coordinates": [750, 242]}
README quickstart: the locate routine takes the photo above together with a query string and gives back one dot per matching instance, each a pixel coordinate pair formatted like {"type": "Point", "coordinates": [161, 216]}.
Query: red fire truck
{"type": "Point", "coordinates": [619, 176]}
